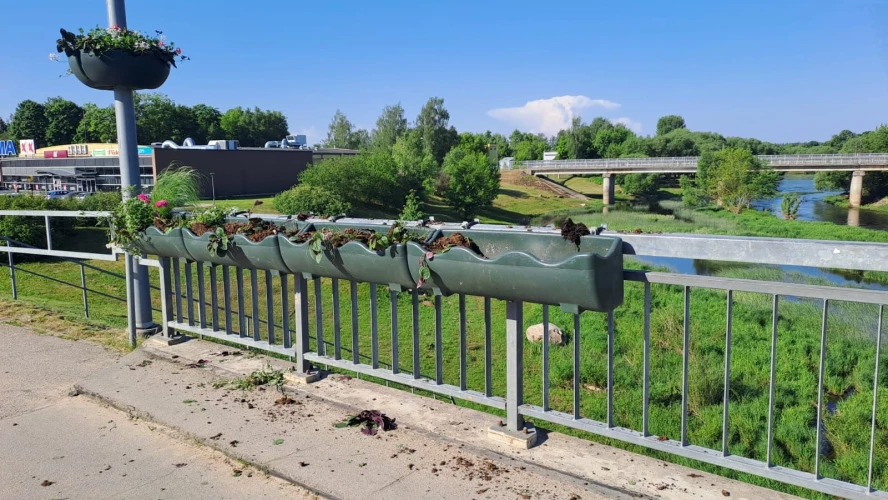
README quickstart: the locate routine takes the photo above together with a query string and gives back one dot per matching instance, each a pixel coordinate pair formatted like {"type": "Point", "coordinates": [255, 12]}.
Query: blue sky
{"type": "Point", "coordinates": [778, 71]}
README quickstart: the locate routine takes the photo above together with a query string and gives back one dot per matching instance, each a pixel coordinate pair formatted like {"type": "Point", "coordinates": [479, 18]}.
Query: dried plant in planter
{"type": "Point", "coordinates": [213, 221]}
{"type": "Point", "coordinates": [442, 245]}
{"type": "Point", "coordinates": [574, 232]}
{"type": "Point", "coordinates": [327, 240]}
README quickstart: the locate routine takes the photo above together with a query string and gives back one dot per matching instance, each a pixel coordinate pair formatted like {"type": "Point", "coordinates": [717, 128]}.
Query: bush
{"type": "Point", "coordinates": [641, 185]}
{"type": "Point", "coordinates": [790, 206]}
{"type": "Point", "coordinates": [370, 178]}
{"type": "Point", "coordinates": [101, 201]}
{"type": "Point", "coordinates": [32, 230]}
{"type": "Point", "coordinates": [310, 199]}
{"type": "Point", "coordinates": [474, 183]}
{"type": "Point", "coordinates": [412, 208]}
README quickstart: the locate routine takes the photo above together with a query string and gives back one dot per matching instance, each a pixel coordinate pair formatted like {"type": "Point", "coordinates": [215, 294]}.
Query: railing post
{"type": "Point", "coordinates": [48, 233]}
{"type": "Point", "coordinates": [300, 311]}
{"type": "Point", "coordinates": [12, 273]}
{"type": "Point", "coordinates": [514, 365]}
{"type": "Point", "coordinates": [130, 300]}
{"type": "Point", "coordinates": [166, 298]}
{"type": "Point", "coordinates": [83, 287]}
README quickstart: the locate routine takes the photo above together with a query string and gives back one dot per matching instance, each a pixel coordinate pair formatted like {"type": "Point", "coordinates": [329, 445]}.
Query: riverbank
{"type": "Point", "coordinates": [841, 200]}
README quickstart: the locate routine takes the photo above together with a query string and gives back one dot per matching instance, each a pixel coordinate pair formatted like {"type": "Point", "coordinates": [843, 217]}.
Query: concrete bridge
{"type": "Point", "coordinates": [859, 164]}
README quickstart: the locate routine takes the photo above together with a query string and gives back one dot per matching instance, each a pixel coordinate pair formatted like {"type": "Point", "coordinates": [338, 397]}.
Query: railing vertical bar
{"type": "Point", "coordinates": [83, 287]}
{"type": "Point", "coordinates": [300, 310]}
{"type": "Point", "coordinates": [488, 352]}
{"type": "Point", "coordinates": [319, 318]}
{"type": "Point", "coordinates": [48, 233]}
{"type": "Point", "coordinates": [241, 314]}
{"type": "Point", "coordinates": [646, 382]}
{"type": "Point", "coordinates": [201, 296]}
{"type": "Point", "coordinates": [415, 314]}
{"type": "Point", "coordinates": [772, 377]}
{"type": "Point", "coordinates": [819, 443]}
{"type": "Point", "coordinates": [514, 365]}
{"type": "Point", "coordinates": [226, 298]}
{"type": "Point", "coordinates": [214, 297]}
{"type": "Point", "coordinates": [463, 364]}
{"type": "Point", "coordinates": [177, 278]}
{"type": "Point", "coordinates": [684, 365]}
{"type": "Point", "coordinates": [374, 326]}
{"type": "Point", "coordinates": [130, 299]}
{"type": "Point", "coordinates": [610, 368]}
{"type": "Point", "coordinates": [576, 367]}
{"type": "Point", "coordinates": [337, 334]}
{"type": "Point", "coordinates": [269, 305]}
{"type": "Point", "coordinates": [356, 353]}
{"type": "Point", "coordinates": [189, 291]}
{"type": "Point", "coordinates": [166, 297]}
{"type": "Point", "coordinates": [285, 311]}
{"type": "Point", "coordinates": [393, 296]}
{"type": "Point", "coordinates": [869, 481]}
{"type": "Point", "coordinates": [254, 296]}
{"type": "Point", "coordinates": [545, 357]}
{"type": "Point", "coordinates": [12, 275]}
{"type": "Point", "coordinates": [727, 388]}
{"type": "Point", "coordinates": [439, 339]}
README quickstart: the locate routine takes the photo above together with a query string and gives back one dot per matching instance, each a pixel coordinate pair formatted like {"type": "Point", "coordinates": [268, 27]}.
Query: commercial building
{"type": "Point", "coordinates": [225, 172]}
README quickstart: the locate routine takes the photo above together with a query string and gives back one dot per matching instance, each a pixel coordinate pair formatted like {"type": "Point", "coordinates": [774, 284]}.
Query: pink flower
{"type": "Point", "coordinates": [143, 198]}
{"type": "Point", "coordinates": [430, 255]}
{"type": "Point", "coordinates": [161, 43]}
{"type": "Point", "coordinates": [115, 27]}
{"type": "Point", "coordinates": [161, 204]}
{"type": "Point", "coordinates": [178, 52]}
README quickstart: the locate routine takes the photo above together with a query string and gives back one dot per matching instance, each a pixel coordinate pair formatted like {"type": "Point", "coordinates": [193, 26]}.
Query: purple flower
{"type": "Point", "coordinates": [430, 255]}
{"type": "Point", "coordinates": [143, 198]}
{"type": "Point", "coordinates": [161, 204]}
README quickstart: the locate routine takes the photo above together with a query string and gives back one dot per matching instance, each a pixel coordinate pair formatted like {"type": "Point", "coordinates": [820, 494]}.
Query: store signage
{"type": "Point", "coordinates": [78, 150]}
{"type": "Point", "coordinates": [55, 154]}
{"type": "Point", "coordinates": [144, 150]}
{"type": "Point", "coordinates": [7, 148]}
{"type": "Point", "coordinates": [26, 148]}
{"type": "Point", "coordinates": [98, 152]}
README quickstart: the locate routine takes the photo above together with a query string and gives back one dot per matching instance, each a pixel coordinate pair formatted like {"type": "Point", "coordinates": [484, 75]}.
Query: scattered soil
{"type": "Point", "coordinates": [199, 229]}
{"type": "Point", "coordinates": [573, 232]}
{"type": "Point", "coordinates": [337, 239]}
{"type": "Point", "coordinates": [254, 229]}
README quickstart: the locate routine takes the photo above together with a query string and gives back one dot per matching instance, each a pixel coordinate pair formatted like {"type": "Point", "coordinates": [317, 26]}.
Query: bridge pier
{"type": "Point", "coordinates": [607, 189]}
{"type": "Point", "coordinates": [856, 192]}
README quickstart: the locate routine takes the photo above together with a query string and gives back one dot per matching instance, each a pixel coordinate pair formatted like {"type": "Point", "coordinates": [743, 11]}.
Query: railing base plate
{"type": "Point", "coordinates": [522, 440]}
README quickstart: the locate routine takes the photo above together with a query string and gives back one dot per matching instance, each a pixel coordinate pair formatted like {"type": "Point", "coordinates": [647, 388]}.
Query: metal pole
{"type": "Point", "coordinates": [124, 108]}
{"type": "Point", "coordinates": [213, 184]}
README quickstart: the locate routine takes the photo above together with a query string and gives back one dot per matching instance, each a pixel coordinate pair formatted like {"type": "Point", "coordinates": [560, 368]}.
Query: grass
{"type": "Point", "coordinates": [841, 200]}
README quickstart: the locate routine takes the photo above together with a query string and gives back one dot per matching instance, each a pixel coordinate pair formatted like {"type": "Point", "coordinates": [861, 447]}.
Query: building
{"type": "Point", "coordinates": [225, 172]}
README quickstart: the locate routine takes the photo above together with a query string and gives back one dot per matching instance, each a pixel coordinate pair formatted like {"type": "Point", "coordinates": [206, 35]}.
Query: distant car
{"type": "Point", "coordinates": [58, 195]}
{"type": "Point", "coordinates": [82, 195]}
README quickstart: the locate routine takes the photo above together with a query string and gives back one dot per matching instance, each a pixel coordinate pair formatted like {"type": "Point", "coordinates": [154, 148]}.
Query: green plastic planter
{"type": "Point", "coordinates": [241, 252]}
{"type": "Point", "coordinates": [169, 244]}
{"type": "Point", "coordinates": [540, 268]}
{"type": "Point", "coordinates": [117, 68]}
{"type": "Point", "coordinates": [352, 261]}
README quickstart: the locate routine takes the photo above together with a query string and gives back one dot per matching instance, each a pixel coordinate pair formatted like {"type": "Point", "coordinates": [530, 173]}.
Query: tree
{"type": "Point", "coordinates": [3, 126]}
{"type": "Point", "coordinates": [97, 125]}
{"type": "Point", "coordinates": [342, 134]}
{"type": "Point", "coordinates": [531, 147]}
{"type": "Point", "coordinates": [641, 185]}
{"type": "Point", "coordinates": [679, 142]}
{"type": "Point", "coordinates": [432, 124]}
{"type": "Point", "coordinates": [474, 183]}
{"type": "Point", "coordinates": [390, 126]}
{"type": "Point", "coordinates": [29, 122]}
{"type": "Point", "coordinates": [734, 178]}
{"type": "Point", "coordinates": [417, 167]}
{"type": "Point", "coordinates": [62, 119]}
{"type": "Point", "coordinates": [159, 119]}
{"type": "Point", "coordinates": [609, 141]}
{"type": "Point", "coordinates": [253, 127]}
{"type": "Point", "coordinates": [209, 123]}
{"type": "Point", "coordinates": [669, 123]}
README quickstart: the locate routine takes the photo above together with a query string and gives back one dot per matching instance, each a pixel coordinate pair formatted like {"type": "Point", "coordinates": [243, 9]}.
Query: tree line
{"type": "Point", "coordinates": [58, 121]}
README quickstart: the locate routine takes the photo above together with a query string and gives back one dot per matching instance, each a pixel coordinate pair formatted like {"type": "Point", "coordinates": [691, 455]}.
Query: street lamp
{"type": "Point", "coordinates": [213, 184]}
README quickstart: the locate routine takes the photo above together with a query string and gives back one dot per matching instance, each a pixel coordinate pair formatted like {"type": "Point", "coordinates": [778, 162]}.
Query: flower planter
{"type": "Point", "coordinates": [241, 252]}
{"type": "Point", "coordinates": [169, 244]}
{"type": "Point", "coordinates": [352, 261]}
{"type": "Point", "coordinates": [540, 268]}
{"type": "Point", "coordinates": [118, 69]}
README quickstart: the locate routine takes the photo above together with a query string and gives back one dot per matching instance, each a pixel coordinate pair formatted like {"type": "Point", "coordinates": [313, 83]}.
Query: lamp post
{"type": "Point", "coordinates": [213, 184]}
{"type": "Point", "coordinates": [130, 180]}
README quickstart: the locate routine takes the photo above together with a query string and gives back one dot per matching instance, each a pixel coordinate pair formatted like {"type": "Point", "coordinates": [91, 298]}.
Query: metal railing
{"type": "Point", "coordinates": [471, 348]}
{"type": "Point", "coordinates": [688, 164]}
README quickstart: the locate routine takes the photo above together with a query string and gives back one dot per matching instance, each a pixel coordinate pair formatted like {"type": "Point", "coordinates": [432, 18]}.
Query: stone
{"type": "Point", "coordinates": [535, 334]}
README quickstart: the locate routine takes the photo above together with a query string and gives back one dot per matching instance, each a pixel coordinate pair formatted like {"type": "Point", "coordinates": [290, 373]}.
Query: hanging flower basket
{"type": "Point", "coordinates": [541, 268]}
{"type": "Point", "coordinates": [106, 59]}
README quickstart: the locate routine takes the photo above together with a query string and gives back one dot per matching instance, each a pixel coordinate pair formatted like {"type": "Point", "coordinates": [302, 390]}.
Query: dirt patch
{"type": "Point", "coordinates": [254, 229]}
{"type": "Point", "coordinates": [454, 240]}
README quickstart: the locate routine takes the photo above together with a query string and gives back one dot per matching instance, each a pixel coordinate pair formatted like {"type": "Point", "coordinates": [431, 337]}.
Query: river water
{"type": "Point", "coordinates": [812, 208]}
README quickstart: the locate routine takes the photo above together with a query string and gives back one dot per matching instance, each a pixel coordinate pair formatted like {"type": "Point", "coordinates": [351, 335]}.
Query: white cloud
{"type": "Point", "coordinates": [548, 116]}
{"type": "Point", "coordinates": [629, 123]}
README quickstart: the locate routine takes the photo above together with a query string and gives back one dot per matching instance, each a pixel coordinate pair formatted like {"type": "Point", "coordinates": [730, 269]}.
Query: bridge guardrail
{"type": "Point", "coordinates": [298, 317]}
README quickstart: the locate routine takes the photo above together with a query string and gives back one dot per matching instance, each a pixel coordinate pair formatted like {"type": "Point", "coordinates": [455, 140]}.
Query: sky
{"type": "Point", "coordinates": [781, 71]}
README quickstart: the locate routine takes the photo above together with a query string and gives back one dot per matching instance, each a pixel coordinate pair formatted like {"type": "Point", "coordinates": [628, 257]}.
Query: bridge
{"type": "Point", "coordinates": [856, 163]}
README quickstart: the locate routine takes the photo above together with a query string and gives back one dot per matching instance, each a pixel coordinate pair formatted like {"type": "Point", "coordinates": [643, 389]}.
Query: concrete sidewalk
{"type": "Point", "coordinates": [53, 445]}
{"type": "Point", "coordinates": [438, 450]}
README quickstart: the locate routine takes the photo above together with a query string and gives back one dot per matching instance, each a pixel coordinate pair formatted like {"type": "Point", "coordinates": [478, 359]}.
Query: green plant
{"type": "Point", "coordinates": [305, 199]}
{"type": "Point", "coordinates": [790, 206]}
{"type": "Point", "coordinates": [327, 240]}
{"type": "Point", "coordinates": [412, 207]}
{"type": "Point", "coordinates": [218, 242]}
{"type": "Point", "coordinates": [179, 186]}
{"type": "Point", "coordinates": [130, 218]}
{"type": "Point", "coordinates": [474, 184]}
{"type": "Point", "coordinates": [99, 41]}
{"type": "Point", "coordinates": [210, 217]}
{"type": "Point", "coordinates": [266, 376]}
{"type": "Point", "coordinates": [641, 185]}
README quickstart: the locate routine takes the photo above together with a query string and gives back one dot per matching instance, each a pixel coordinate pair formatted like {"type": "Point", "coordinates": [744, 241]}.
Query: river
{"type": "Point", "coordinates": [812, 208]}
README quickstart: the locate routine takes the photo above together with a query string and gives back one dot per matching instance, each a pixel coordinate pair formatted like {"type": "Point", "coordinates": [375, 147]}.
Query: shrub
{"type": "Point", "coordinates": [641, 185]}
{"type": "Point", "coordinates": [370, 178]}
{"type": "Point", "coordinates": [412, 208]}
{"type": "Point", "coordinates": [310, 199]}
{"type": "Point", "coordinates": [474, 183]}
{"type": "Point", "coordinates": [790, 206]}
{"type": "Point", "coordinates": [32, 230]}
{"type": "Point", "coordinates": [180, 187]}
